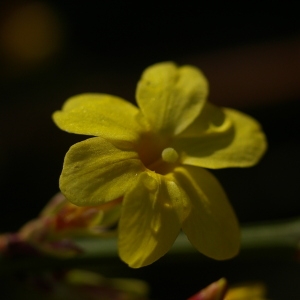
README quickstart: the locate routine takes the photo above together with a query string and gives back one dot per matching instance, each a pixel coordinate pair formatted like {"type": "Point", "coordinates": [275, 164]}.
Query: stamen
{"type": "Point", "coordinates": [169, 155]}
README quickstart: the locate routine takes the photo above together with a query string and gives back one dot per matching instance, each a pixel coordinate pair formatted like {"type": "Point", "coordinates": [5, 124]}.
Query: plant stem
{"type": "Point", "coordinates": [276, 240]}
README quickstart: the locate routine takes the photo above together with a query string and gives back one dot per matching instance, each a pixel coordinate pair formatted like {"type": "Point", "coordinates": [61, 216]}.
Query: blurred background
{"type": "Point", "coordinates": [51, 50]}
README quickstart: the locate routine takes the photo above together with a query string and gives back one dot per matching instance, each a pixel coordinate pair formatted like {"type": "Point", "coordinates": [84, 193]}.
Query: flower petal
{"type": "Point", "coordinates": [100, 115]}
{"type": "Point", "coordinates": [96, 171]}
{"type": "Point", "coordinates": [212, 226]}
{"type": "Point", "coordinates": [148, 225]}
{"type": "Point", "coordinates": [171, 98]}
{"type": "Point", "coordinates": [221, 139]}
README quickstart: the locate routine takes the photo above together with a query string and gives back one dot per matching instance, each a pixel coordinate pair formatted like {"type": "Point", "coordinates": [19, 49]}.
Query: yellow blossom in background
{"type": "Point", "coordinates": [219, 290]}
{"type": "Point", "coordinates": [154, 157]}
{"type": "Point", "coordinates": [247, 291]}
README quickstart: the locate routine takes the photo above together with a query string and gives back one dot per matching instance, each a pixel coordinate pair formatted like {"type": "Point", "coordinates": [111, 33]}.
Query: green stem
{"type": "Point", "coordinates": [277, 240]}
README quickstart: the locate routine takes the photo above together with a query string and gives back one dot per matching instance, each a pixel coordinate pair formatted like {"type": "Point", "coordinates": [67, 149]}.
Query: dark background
{"type": "Point", "coordinates": [51, 50]}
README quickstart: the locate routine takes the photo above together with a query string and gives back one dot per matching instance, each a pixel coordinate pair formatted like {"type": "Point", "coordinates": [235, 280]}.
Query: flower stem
{"type": "Point", "coordinates": [276, 240]}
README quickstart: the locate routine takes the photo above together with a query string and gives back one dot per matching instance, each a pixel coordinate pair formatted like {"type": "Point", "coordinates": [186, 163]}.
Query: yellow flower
{"type": "Point", "coordinates": [154, 156]}
{"type": "Point", "coordinates": [218, 290]}
{"type": "Point", "coordinates": [247, 291]}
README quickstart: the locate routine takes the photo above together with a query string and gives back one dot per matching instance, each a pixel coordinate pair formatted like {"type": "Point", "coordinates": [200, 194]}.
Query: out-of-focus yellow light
{"type": "Point", "coordinates": [30, 34]}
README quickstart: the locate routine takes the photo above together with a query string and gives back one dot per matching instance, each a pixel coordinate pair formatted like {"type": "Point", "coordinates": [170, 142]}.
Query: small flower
{"type": "Point", "coordinates": [214, 291]}
{"type": "Point", "coordinates": [73, 284]}
{"type": "Point", "coordinates": [59, 222]}
{"type": "Point", "coordinates": [64, 219]}
{"type": "Point", "coordinates": [218, 291]}
{"type": "Point", "coordinates": [154, 157]}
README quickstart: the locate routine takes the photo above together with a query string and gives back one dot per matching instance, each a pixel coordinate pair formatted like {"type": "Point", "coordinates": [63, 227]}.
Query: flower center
{"type": "Point", "coordinates": [155, 154]}
{"type": "Point", "coordinates": [169, 155]}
